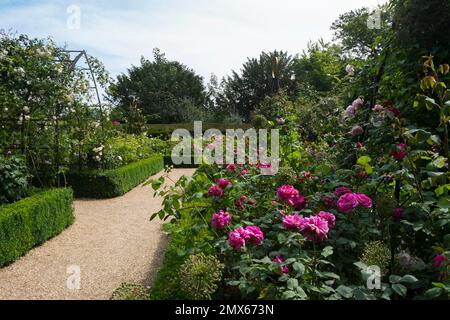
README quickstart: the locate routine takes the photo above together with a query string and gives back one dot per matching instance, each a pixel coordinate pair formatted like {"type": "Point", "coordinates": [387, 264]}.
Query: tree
{"type": "Point", "coordinates": [163, 88]}
{"type": "Point", "coordinates": [244, 91]}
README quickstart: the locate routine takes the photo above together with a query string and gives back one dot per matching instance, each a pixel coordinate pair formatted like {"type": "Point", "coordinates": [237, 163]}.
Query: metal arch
{"type": "Point", "coordinates": [73, 64]}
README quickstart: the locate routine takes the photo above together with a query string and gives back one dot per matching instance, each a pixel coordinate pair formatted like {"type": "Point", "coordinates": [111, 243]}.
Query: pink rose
{"type": "Point", "coordinates": [439, 259]}
{"type": "Point", "coordinates": [348, 202]}
{"type": "Point", "coordinates": [329, 201]}
{"type": "Point", "coordinates": [315, 228]}
{"type": "Point", "coordinates": [329, 217]}
{"type": "Point", "coordinates": [231, 167]}
{"type": "Point", "coordinates": [256, 235]}
{"type": "Point", "coordinates": [223, 183]}
{"type": "Point", "coordinates": [244, 172]}
{"type": "Point", "coordinates": [398, 213]}
{"type": "Point", "coordinates": [287, 193]}
{"type": "Point", "coordinates": [342, 190]}
{"type": "Point", "coordinates": [363, 200]}
{"type": "Point", "coordinates": [400, 152]}
{"type": "Point", "coordinates": [237, 238]}
{"type": "Point", "coordinates": [278, 260]}
{"type": "Point", "coordinates": [215, 191]}
{"type": "Point", "coordinates": [378, 108]}
{"type": "Point", "coordinates": [221, 219]}
{"type": "Point", "coordinates": [299, 203]}
{"type": "Point", "coordinates": [293, 222]}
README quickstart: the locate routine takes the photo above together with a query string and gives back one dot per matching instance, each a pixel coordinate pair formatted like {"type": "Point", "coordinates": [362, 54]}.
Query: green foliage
{"type": "Point", "coordinates": [32, 221]}
{"type": "Point", "coordinates": [161, 89]}
{"type": "Point", "coordinates": [199, 276]}
{"type": "Point", "coordinates": [111, 183]}
{"type": "Point", "coordinates": [131, 291]}
{"type": "Point", "coordinates": [13, 177]}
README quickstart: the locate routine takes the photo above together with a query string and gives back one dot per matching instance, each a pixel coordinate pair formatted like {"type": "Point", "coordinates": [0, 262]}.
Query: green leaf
{"type": "Point", "coordinates": [364, 160]}
{"type": "Point", "coordinates": [394, 279]}
{"type": "Point", "coordinates": [408, 279]}
{"type": "Point", "coordinates": [433, 293]}
{"type": "Point", "coordinates": [345, 291]}
{"type": "Point", "coordinates": [299, 268]}
{"type": "Point", "coordinates": [292, 283]}
{"type": "Point", "coordinates": [327, 251]}
{"type": "Point", "coordinates": [399, 289]}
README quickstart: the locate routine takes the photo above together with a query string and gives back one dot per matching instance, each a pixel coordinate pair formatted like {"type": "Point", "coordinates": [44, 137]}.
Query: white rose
{"type": "Point", "coordinates": [350, 70]}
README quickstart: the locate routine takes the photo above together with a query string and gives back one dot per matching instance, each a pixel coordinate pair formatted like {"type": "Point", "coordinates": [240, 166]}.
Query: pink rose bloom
{"type": "Point", "coordinates": [358, 103]}
{"type": "Point", "coordinates": [329, 217]}
{"type": "Point", "coordinates": [279, 260]}
{"type": "Point", "coordinates": [252, 202]}
{"type": "Point", "coordinates": [256, 235]}
{"type": "Point", "coordinates": [307, 175]}
{"type": "Point", "coordinates": [329, 201]}
{"type": "Point", "coordinates": [363, 200]}
{"type": "Point", "coordinates": [378, 108]}
{"type": "Point", "coordinates": [299, 202]}
{"type": "Point", "coordinates": [439, 259]}
{"type": "Point", "coordinates": [274, 202]}
{"type": "Point", "coordinates": [400, 153]}
{"type": "Point", "coordinates": [363, 175]}
{"type": "Point", "coordinates": [237, 238]}
{"type": "Point", "coordinates": [223, 183]}
{"type": "Point", "coordinates": [221, 219]}
{"type": "Point", "coordinates": [342, 190]}
{"type": "Point", "coordinates": [359, 145]}
{"type": "Point", "coordinates": [215, 191]}
{"type": "Point", "coordinates": [293, 222]}
{"type": "Point", "coordinates": [350, 111]}
{"type": "Point", "coordinates": [287, 193]}
{"type": "Point", "coordinates": [282, 212]}
{"type": "Point", "coordinates": [315, 228]}
{"type": "Point", "coordinates": [348, 202]}
{"type": "Point", "coordinates": [398, 213]}
{"type": "Point", "coordinates": [231, 167]}
{"type": "Point", "coordinates": [244, 172]}
{"type": "Point", "coordinates": [240, 203]}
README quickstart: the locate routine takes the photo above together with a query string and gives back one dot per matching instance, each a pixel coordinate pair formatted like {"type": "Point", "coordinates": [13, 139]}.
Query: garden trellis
{"type": "Point", "coordinates": [37, 132]}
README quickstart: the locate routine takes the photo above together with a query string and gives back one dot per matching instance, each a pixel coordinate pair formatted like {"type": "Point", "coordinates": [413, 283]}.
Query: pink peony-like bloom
{"type": "Point", "coordinates": [400, 153]}
{"type": "Point", "coordinates": [378, 108]}
{"type": "Point", "coordinates": [315, 228]}
{"type": "Point", "coordinates": [350, 111]}
{"type": "Point", "coordinates": [252, 202]}
{"type": "Point", "coordinates": [221, 219]}
{"type": "Point", "coordinates": [329, 217]}
{"type": "Point", "coordinates": [299, 203]}
{"type": "Point", "coordinates": [223, 183]}
{"type": "Point", "coordinates": [348, 202]}
{"type": "Point", "coordinates": [279, 260]}
{"type": "Point", "coordinates": [342, 190]}
{"type": "Point", "coordinates": [244, 172]}
{"type": "Point", "coordinates": [237, 238]}
{"type": "Point", "coordinates": [359, 145]}
{"type": "Point", "coordinates": [240, 203]}
{"type": "Point", "coordinates": [398, 213]}
{"type": "Point", "coordinates": [231, 167]}
{"type": "Point", "coordinates": [256, 235]}
{"type": "Point", "coordinates": [293, 222]}
{"type": "Point", "coordinates": [358, 103]}
{"type": "Point", "coordinates": [287, 193]}
{"type": "Point", "coordinates": [439, 259]}
{"type": "Point", "coordinates": [363, 200]}
{"type": "Point", "coordinates": [215, 191]}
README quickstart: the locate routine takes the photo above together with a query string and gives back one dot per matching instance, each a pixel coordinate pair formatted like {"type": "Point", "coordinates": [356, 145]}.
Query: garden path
{"type": "Point", "coordinates": [112, 241]}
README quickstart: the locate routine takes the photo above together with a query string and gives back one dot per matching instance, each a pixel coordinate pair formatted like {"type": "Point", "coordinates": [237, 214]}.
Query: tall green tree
{"type": "Point", "coordinates": [166, 91]}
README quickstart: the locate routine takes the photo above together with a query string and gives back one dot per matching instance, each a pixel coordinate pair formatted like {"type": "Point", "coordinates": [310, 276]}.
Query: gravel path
{"type": "Point", "coordinates": [112, 241]}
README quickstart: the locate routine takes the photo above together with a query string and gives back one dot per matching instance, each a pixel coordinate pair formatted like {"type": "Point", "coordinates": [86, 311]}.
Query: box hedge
{"type": "Point", "coordinates": [104, 184]}
{"type": "Point", "coordinates": [33, 220]}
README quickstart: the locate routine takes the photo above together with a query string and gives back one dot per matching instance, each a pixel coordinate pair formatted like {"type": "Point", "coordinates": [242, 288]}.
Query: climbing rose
{"type": "Point", "coordinates": [400, 153]}
{"type": "Point", "coordinates": [215, 191]}
{"type": "Point", "coordinates": [329, 217]}
{"type": "Point", "coordinates": [221, 219]}
{"type": "Point", "coordinates": [223, 183]}
{"type": "Point", "coordinates": [287, 193]}
{"type": "Point", "coordinates": [256, 235]}
{"type": "Point", "coordinates": [279, 260]}
{"type": "Point", "coordinates": [348, 202]}
{"type": "Point", "coordinates": [342, 190]}
{"type": "Point", "coordinates": [299, 202]}
{"type": "Point", "coordinates": [293, 222]}
{"type": "Point", "coordinates": [397, 213]}
{"type": "Point", "coordinates": [238, 237]}
{"type": "Point", "coordinates": [439, 259]}
{"type": "Point", "coordinates": [231, 167]}
{"type": "Point", "coordinates": [363, 200]}
{"type": "Point", "coordinates": [315, 228]}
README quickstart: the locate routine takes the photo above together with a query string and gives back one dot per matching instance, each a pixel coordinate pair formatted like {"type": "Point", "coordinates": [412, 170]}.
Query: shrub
{"type": "Point", "coordinates": [14, 178]}
{"type": "Point", "coordinates": [130, 291]}
{"type": "Point", "coordinates": [32, 221]}
{"type": "Point", "coordinates": [101, 184]}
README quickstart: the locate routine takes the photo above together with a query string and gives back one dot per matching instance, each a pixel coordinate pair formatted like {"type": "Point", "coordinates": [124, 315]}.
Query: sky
{"type": "Point", "coordinates": [209, 36]}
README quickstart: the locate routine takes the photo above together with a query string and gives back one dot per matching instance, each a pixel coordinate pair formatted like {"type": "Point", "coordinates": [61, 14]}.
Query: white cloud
{"type": "Point", "coordinates": [208, 36]}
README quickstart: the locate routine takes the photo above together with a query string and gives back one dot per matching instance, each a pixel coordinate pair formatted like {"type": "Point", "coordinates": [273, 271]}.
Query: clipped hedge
{"type": "Point", "coordinates": [104, 184]}
{"type": "Point", "coordinates": [33, 220]}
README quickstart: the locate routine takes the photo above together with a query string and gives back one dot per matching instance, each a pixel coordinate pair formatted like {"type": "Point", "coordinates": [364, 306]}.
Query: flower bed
{"type": "Point", "coordinates": [102, 184]}
{"type": "Point", "coordinates": [32, 221]}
